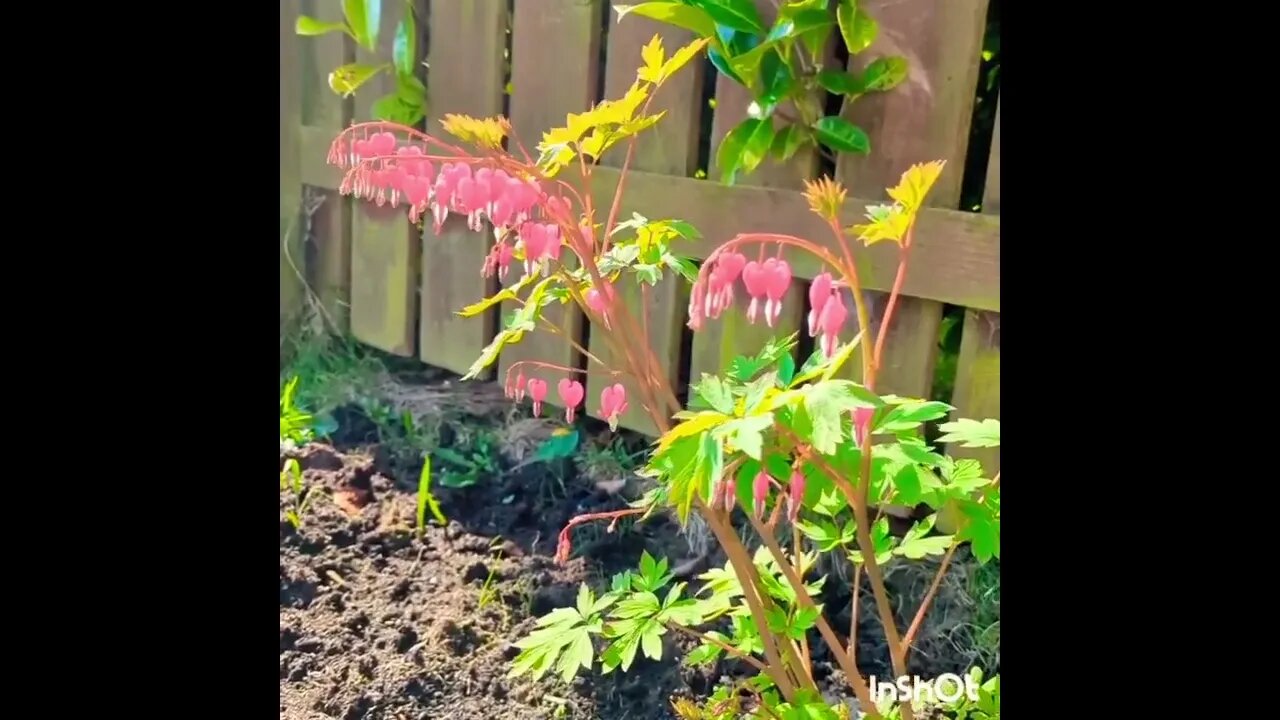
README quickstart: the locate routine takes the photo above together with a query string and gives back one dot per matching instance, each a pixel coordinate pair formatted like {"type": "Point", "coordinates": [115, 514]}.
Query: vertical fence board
{"type": "Point", "coordinates": [671, 148]}
{"type": "Point", "coordinates": [327, 113]}
{"type": "Point", "coordinates": [465, 77]}
{"type": "Point", "coordinates": [925, 118]}
{"type": "Point", "coordinates": [977, 391]}
{"type": "Point", "coordinates": [554, 65]}
{"type": "Point", "coordinates": [722, 339]}
{"type": "Point", "coordinates": [290, 165]}
{"type": "Point", "coordinates": [384, 245]}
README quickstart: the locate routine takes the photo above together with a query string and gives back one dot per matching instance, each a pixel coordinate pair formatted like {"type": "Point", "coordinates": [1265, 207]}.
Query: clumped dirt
{"type": "Point", "coordinates": [375, 623]}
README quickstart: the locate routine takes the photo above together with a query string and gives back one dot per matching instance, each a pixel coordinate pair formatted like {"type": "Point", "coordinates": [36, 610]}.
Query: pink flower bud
{"type": "Point", "coordinates": [760, 492]}
{"type": "Point", "coordinates": [795, 495]}
{"type": "Point", "coordinates": [861, 423]}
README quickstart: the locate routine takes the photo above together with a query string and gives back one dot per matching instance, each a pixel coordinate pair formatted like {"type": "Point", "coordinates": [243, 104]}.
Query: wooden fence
{"type": "Point", "coordinates": [398, 292]}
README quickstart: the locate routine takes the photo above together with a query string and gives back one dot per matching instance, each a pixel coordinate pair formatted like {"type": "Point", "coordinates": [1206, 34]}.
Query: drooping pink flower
{"type": "Point", "coordinates": [861, 423]}
{"type": "Point", "coordinates": [613, 402]}
{"type": "Point", "coordinates": [600, 299]}
{"type": "Point", "coordinates": [412, 160]}
{"type": "Point", "coordinates": [720, 282]}
{"type": "Point", "coordinates": [795, 495]}
{"type": "Point", "coordinates": [819, 293]}
{"type": "Point", "coordinates": [830, 320]}
{"type": "Point", "coordinates": [757, 285]}
{"type": "Point", "coordinates": [498, 260]}
{"type": "Point", "coordinates": [445, 190]}
{"type": "Point", "coordinates": [695, 304]}
{"type": "Point", "coordinates": [519, 389]}
{"type": "Point", "coordinates": [571, 394]}
{"type": "Point", "coordinates": [777, 280]}
{"type": "Point", "coordinates": [382, 144]}
{"type": "Point", "coordinates": [472, 197]}
{"type": "Point", "coordinates": [728, 494]}
{"type": "Point", "coordinates": [541, 243]}
{"type": "Point", "coordinates": [760, 492]}
{"type": "Point", "coordinates": [537, 392]}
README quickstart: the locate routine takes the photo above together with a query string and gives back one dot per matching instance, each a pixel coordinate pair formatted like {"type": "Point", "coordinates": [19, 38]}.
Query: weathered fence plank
{"type": "Point", "coordinates": [291, 290]}
{"type": "Point", "coordinates": [324, 115]}
{"type": "Point", "coordinates": [925, 118]}
{"type": "Point", "coordinates": [977, 390]}
{"type": "Point", "coordinates": [466, 77]}
{"type": "Point", "coordinates": [384, 244]}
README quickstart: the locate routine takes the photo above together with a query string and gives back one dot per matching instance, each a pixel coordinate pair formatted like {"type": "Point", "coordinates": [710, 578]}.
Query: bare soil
{"type": "Point", "coordinates": [376, 622]}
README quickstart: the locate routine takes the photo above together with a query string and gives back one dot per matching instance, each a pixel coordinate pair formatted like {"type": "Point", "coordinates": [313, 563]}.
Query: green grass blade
{"type": "Point", "coordinates": [426, 499]}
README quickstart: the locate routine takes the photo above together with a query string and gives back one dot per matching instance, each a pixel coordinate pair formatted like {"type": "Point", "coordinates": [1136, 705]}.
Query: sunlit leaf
{"type": "Point", "coordinates": [482, 132]}
{"type": "Point", "coordinates": [857, 28]}
{"type": "Point", "coordinates": [345, 80]}
{"type": "Point", "coordinates": [673, 13]}
{"type": "Point", "coordinates": [736, 14]}
{"type": "Point", "coordinates": [364, 18]}
{"type": "Point", "coordinates": [916, 183]}
{"type": "Point", "coordinates": [309, 26]}
{"type": "Point", "coordinates": [884, 74]}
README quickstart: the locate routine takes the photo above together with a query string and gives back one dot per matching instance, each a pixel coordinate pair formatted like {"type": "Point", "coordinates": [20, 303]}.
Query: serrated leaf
{"type": "Point", "coordinates": [915, 549]}
{"type": "Point", "coordinates": [651, 640]}
{"type": "Point", "coordinates": [747, 434]}
{"type": "Point", "coordinates": [786, 369]}
{"type": "Point", "coordinates": [807, 617]}
{"type": "Point", "coordinates": [971, 433]}
{"type": "Point", "coordinates": [713, 391]}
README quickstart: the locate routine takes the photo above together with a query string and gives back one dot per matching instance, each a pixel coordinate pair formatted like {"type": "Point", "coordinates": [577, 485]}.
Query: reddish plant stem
{"type": "Point", "coordinates": [918, 620]}
{"type": "Point", "coordinates": [903, 256]}
{"type": "Point", "coordinates": [853, 614]}
{"type": "Point", "coordinates": [860, 688]}
{"type": "Point", "coordinates": [565, 545]}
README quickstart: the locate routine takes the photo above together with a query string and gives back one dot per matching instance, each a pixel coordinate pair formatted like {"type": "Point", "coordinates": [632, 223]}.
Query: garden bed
{"type": "Point", "coordinates": [376, 622]}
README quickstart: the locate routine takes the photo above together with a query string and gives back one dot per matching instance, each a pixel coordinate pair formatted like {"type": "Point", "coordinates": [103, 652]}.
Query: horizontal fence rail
{"type": "Point", "coordinates": [398, 289]}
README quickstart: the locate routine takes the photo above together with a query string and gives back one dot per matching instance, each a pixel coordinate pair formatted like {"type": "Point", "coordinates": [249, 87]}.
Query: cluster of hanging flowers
{"type": "Point", "coordinates": [384, 171]}
{"type": "Point", "coordinates": [766, 282]}
{"type": "Point", "coordinates": [613, 398]}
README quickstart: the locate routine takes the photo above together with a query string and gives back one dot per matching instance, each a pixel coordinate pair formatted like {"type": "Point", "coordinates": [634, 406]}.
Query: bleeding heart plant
{"type": "Point", "coordinates": [828, 450]}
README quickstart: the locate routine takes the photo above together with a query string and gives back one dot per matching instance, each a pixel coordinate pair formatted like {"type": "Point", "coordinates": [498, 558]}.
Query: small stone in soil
{"type": "Point", "coordinates": [408, 638]}
{"type": "Point", "coordinates": [478, 572]}
{"type": "Point", "coordinates": [310, 645]}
